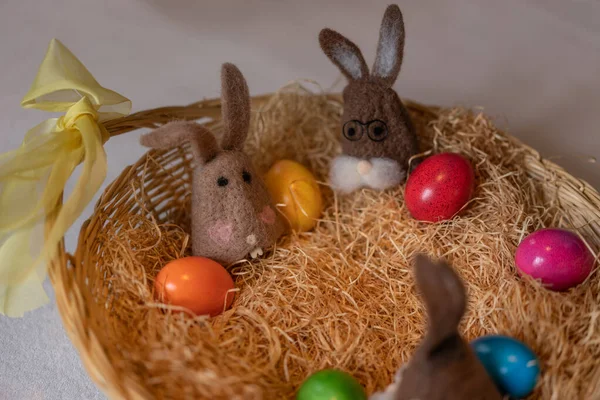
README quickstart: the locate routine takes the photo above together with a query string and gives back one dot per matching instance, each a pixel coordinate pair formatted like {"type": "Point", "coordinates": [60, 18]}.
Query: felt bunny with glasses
{"type": "Point", "coordinates": [378, 137]}
{"type": "Point", "coordinates": [443, 367]}
{"type": "Point", "coordinates": [232, 214]}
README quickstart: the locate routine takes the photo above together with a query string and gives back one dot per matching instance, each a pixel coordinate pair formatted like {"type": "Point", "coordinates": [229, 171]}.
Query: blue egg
{"type": "Point", "coordinates": [512, 365]}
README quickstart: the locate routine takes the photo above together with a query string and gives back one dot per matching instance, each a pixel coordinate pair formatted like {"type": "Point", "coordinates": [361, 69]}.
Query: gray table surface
{"type": "Point", "coordinates": [533, 64]}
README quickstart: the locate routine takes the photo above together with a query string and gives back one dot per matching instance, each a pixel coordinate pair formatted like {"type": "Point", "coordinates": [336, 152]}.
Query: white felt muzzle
{"type": "Point", "coordinates": [349, 173]}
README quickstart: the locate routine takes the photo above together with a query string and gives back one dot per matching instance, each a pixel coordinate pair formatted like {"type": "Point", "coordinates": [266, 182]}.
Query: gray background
{"type": "Point", "coordinates": [533, 64]}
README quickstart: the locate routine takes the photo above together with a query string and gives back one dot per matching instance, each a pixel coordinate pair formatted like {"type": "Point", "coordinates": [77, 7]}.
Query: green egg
{"type": "Point", "coordinates": [331, 384]}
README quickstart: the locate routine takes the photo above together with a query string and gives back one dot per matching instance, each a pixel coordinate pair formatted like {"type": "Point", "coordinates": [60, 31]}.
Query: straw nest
{"type": "Point", "coordinates": [341, 296]}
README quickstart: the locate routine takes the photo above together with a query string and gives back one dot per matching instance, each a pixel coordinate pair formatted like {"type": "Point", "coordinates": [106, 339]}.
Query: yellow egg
{"type": "Point", "coordinates": [296, 193]}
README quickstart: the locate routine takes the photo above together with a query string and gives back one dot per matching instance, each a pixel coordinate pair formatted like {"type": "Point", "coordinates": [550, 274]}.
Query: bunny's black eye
{"type": "Point", "coordinates": [353, 130]}
{"type": "Point", "coordinates": [247, 177]}
{"type": "Point", "coordinates": [222, 181]}
{"type": "Point", "coordinates": [377, 130]}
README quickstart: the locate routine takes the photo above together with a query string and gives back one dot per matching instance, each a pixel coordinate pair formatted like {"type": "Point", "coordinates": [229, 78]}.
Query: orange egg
{"type": "Point", "coordinates": [196, 283]}
{"type": "Point", "coordinates": [296, 192]}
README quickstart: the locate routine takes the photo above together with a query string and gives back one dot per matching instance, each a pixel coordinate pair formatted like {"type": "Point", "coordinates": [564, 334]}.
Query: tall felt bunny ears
{"type": "Point", "coordinates": [235, 110]}
{"type": "Point", "coordinates": [390, 50]}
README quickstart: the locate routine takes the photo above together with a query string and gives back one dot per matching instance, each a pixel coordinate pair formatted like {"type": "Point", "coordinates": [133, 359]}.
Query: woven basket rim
{"type": "Point", "coordinates": [71, 299]}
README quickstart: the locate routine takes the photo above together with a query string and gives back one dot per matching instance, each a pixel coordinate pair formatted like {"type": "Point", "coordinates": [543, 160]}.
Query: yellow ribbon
{"type": "Point", "coordinates": [33, 177]}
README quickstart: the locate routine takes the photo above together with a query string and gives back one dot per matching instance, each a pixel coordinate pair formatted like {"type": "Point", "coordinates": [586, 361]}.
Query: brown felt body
{"type": "Point", "coordinates": [370, 96]}
{"type": "Point", "coordinates": [443, 367]}
{"type": "Point", "coordinates": [232, 213]}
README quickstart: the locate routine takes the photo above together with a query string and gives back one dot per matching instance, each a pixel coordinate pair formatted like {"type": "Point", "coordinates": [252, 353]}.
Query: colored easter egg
{"type": "Point", "coordinates": [557, 257]}
{"type": "Point", "coordinates": [196, 283]}
{"type": "Point", "coordinates": [511, 364]}
{"type": "Point", "coordinates": [439, 187]}
{"type": "Point", "coordinates": [331, 384]}
{"type": "Point", "coordinates": [295, 191]}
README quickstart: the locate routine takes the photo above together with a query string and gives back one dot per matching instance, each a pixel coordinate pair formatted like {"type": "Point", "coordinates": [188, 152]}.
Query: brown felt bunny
{"type": "Point", "coordinates": [443, 367]}
{"type": "Point", "coordinates": [232, 213]}
{"type": "Point", "coordinates": [378, 137]}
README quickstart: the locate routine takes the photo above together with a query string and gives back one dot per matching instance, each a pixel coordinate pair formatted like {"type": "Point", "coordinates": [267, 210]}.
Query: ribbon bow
{"type": "Point", "coordinates": [33, 177]}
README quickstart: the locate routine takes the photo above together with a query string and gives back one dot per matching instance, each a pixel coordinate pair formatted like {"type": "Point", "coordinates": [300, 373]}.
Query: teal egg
{"type": "Point", "coordinates": [331, 384]}
{"type": "Point", "coordinates": [512, 365]}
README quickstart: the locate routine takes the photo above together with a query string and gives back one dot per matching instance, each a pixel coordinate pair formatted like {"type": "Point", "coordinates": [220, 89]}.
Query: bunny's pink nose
{"type": "Point", "coordinates": [364, 167]}
{"type": "Point", "coordinates": [267, 215]}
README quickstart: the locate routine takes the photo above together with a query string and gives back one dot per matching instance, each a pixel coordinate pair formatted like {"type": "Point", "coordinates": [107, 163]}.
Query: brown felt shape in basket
{"type": "Point", "coordinates": [443, 367]}
{"type": "Point", "coordinates": [232, 214]}
{"type": "Point", "coordinates": [370, 97]}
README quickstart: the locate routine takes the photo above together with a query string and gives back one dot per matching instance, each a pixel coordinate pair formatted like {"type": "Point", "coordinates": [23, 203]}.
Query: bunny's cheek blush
{"type": "Point", "coordinates": [267, 215]}
{"type": "Point", "coordinates": [557, 257]}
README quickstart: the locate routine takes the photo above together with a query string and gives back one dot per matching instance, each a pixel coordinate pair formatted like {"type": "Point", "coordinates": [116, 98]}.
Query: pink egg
{"type": "Point", "coordinates": [557, 257]}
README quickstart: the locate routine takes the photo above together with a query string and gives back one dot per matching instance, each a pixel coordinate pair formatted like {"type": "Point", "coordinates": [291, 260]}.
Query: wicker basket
{"type": "Point", "coordinates": [73, 276]}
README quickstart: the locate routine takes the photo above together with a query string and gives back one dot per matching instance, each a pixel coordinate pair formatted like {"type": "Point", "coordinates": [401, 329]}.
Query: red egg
{"type": "Point", "coordinates": [557, 257]}
{"type": "Point", "coordinates": [439, 187]}
{"type": "Point", "coordinates": [197, 283]}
